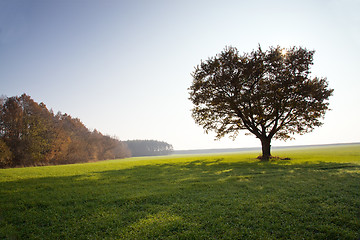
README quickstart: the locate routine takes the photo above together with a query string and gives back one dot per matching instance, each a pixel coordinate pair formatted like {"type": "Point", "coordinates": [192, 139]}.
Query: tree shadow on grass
{"type": "Point", "coordinates": [198, 200]}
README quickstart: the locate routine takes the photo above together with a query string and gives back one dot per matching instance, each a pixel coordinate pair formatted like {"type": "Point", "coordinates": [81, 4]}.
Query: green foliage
{"type": "Point", "coordinates": [268, 93]}
{"type": "Point", "coordinates": [226, 196]}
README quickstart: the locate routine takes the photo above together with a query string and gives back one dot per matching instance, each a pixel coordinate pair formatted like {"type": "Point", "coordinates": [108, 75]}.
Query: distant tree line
{"type": "Point", "coordinates": [31, 135]}
{"type": "Point", "coordinates": [149, 148]}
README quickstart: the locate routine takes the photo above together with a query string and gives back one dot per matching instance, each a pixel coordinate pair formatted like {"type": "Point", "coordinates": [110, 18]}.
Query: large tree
{"type": "Point", "coordinates": [269, 93]}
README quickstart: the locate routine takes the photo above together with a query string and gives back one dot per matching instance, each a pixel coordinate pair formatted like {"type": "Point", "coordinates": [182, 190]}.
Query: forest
{"type": "Point", "coordinates": [32, 135]}
{"type": "Point", "coordinates": [140, 148]}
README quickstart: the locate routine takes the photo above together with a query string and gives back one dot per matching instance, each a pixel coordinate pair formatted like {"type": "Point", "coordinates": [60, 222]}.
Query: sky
{"type": "Point", "coordinates": [124, 67]}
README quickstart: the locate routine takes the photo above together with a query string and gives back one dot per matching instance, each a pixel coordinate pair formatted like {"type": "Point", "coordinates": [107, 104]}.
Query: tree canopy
{"type": "Point", "coordinates": [269, 93]}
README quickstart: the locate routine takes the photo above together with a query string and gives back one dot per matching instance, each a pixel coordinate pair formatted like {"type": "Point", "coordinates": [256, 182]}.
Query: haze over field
{"type": "Point", "coordinates": [123, 67]}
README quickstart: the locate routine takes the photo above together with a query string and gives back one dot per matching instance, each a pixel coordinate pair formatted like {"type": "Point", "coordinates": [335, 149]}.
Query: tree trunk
{"type": "Point", "coordinates": [266, 146]}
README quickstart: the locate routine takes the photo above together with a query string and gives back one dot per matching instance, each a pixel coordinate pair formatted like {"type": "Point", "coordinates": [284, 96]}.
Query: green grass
{"type": "Point", "coordinates": [315, 195]}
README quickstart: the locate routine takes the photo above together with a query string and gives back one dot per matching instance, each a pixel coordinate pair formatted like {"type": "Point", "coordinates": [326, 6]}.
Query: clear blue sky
{"type": "Point", "coordinates": [123, 67]}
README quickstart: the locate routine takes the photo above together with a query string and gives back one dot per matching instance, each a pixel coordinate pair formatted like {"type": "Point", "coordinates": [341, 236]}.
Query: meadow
{"type": "Point", "coordinates": [314, 195]}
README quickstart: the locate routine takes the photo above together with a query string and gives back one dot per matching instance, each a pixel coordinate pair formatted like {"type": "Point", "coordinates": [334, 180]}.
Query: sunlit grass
{"type": "Point", "coordinates": [315, 195]}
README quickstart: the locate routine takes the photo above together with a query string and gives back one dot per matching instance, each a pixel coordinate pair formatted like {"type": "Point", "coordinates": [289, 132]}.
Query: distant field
{"type": "Point", "coordinates": [315, 195]}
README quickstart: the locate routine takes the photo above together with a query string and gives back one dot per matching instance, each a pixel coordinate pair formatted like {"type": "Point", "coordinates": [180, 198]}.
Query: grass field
{"type": "Point", "coordinates": [315, 195]}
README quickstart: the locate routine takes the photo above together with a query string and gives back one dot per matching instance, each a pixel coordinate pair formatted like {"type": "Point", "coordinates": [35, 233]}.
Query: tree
{"type": "Point", "coordinates": [26, 129]}
{"type": "Point", "coordinates": [37, 137]}
{"type": "Point", "coordinates": [268, 93]}
{"type": "Point", "coordinates": [11, 124]}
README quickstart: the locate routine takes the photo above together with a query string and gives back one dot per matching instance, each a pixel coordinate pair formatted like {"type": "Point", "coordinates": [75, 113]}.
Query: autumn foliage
{"type": "Point", "coordinates": [32, 135]}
